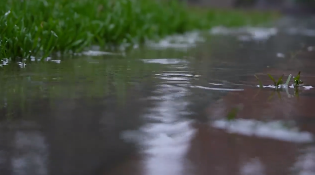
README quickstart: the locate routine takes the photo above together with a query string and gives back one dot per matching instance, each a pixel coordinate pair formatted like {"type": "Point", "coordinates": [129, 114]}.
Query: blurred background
{"type": "Point", "coordinates": [289, 6]}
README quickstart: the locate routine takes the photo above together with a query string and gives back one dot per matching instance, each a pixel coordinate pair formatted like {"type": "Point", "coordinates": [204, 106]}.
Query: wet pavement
{"type": "Point", "coordinates": [183, 108]}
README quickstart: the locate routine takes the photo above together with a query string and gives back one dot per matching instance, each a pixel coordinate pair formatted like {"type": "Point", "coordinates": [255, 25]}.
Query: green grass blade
{"type": "Point", "coordinates": [260, 83]}
{"type": "Point", "coordinates": [279, 82]}
{"type": "Point", "coordinates": [288, 80]}
{"type": "Point", "coordinates": [232, 114]}
{"type": "Point", "coordinates": [273, 80]}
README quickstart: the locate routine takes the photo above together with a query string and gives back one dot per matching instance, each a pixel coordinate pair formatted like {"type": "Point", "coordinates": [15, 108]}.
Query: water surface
{"type": "Point", "coordinates": [164, 108]}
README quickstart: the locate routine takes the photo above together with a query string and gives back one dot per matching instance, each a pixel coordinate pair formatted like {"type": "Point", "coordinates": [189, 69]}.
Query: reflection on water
{"type": "Point", "coordinates": [254, 166]}
{"type": "Point", "coordinates": [216, 89]}
{"type": "Point", "coordinates": [30, 153]}
{"type": "Point", "coordinates": [274, 130]}
{"type": "Point", "coordinates": [164, 61]}
{"type": "Point", "coordinates": [169, 134]}
{"type": "Point", "coordinates": [305, 162]}
{"type": "Point", "coordinates": [163, 111]}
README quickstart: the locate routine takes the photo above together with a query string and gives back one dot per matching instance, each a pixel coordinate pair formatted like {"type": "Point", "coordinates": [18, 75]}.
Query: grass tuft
{"type": "Point", "coordinates": [260, 83]}
{"type": "Point", "coordinates": [276, 83]}
{"type": "Point", "coordinates": [297, 80]}
{"type": "Point", "coordinates": [38, 28]}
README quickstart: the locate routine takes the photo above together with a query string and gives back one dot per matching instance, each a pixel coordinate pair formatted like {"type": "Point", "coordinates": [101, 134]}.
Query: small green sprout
{"type": "Point", "coordinates": [297, 80]}
{"type": "Point", "coordinates": [260, 83]}
{"type": "Point", "coordinates": [276, 83]}
{"type": "Point", "coordinates": [232, 114]}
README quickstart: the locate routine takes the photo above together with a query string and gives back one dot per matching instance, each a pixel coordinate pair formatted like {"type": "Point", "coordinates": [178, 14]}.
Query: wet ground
{"type": "Point", "coordinates": [183, 108]}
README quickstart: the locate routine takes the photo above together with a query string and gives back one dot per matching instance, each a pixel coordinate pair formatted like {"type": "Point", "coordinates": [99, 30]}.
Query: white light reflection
{"type": "Point", "coordinates": [165, 141]}
{"type": "Point", "coordinates": [30, 154]}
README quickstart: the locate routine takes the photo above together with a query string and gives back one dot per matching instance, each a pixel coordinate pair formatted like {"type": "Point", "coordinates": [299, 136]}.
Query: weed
{"type": "Point", "coordinates": [276, 83]}
{"type": "Point", "coordinates": [260, 83]}
{"type": "Point", "coordinates": [232, 114]}
{"type": "Point", "coordinates": [297, 80]}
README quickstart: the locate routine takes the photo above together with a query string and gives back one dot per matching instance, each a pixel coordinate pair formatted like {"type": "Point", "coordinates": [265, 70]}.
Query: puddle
{"type": "Point", "coordinates": [182, 106]}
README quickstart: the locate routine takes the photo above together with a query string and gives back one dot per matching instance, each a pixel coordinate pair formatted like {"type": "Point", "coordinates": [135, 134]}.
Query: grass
{"type": "Point", "coordinates": [278, 84]}
{"type": "Point", "coordinates": [260, 83]}
{"type": "Point", "coordinates": [297, 80]}
{"type": "Point", "coordinates": [40, 28]}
